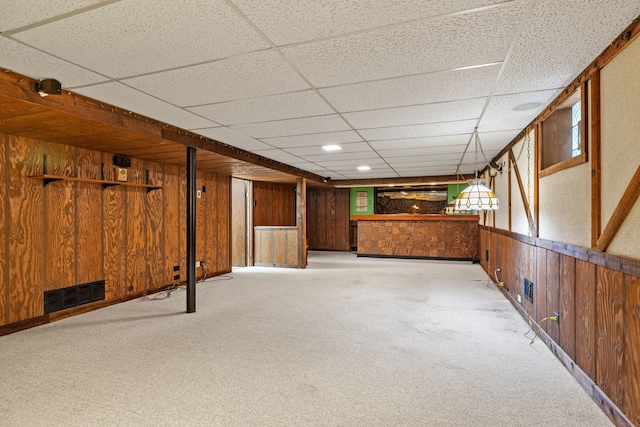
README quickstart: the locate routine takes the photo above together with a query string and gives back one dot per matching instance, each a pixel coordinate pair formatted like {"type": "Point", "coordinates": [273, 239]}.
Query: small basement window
{"type": "Point", "coordinates": [563, 135]}
{"type": "Point", "coordinates": [362, 201]}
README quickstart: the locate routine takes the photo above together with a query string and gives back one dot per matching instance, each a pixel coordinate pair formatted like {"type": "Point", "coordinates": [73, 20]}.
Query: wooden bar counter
{"type": "Point", "coordinates": [418, 236]}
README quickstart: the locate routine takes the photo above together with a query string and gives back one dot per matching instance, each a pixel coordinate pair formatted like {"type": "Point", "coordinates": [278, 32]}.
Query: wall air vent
{"type": "Point", "coordinates": [60, 299]}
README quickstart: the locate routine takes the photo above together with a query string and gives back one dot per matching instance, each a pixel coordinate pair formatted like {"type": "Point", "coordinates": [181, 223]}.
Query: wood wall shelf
{"type": "Point", "coordinates": [51, 178]}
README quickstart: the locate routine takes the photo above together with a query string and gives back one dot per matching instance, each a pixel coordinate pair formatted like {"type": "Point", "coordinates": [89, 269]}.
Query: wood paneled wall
{"type": "Point", "coordinates": [274, 204]}
{"type": "Point", "coordinates": [68, 233]}
{"type": "Point", "coordinates": [328, 219]}
{"type": "Point", "coordinates": [276, 246]}
{"type": "Point", "coordinates": [598, 305]}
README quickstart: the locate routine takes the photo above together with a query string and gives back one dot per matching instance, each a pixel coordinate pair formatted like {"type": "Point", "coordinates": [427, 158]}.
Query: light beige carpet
{"type": "Point", "coordinates": [347, 342]}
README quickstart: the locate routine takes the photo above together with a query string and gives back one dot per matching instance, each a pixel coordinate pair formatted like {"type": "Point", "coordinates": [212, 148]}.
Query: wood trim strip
{"type": "Point", "coordinates": [565, 164]}
{"type": "Point", "coordinates": [620, 213]}
{"type": "Point", "coordinates": [596, 170]}
{"type": "Point", "coordinates": [619, 263]}
{"type": "Point", "coordinates": [415, 217]}
{"type": "Point", "coordinates": [537, 141]}
{"type": "Point", "coordinates": [509, 168]}
{"type": "Point", "coordinates": [525, 201]}
{"type": "Point", "coordinates": [301, 221]}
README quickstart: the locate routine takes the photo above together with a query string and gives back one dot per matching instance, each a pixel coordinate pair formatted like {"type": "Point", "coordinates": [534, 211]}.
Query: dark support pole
{"type": "Point", "coordinates": [191, 230]}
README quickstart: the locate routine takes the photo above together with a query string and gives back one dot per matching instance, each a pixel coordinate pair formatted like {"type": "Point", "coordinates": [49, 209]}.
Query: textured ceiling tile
{"type": "Point", "coordinates": [231, 137]}
{"type": "Point", "coordinates": [164, 34]}
{"type": "Point", "coordinates": [130, 99]}
{"type": "Point", "coordinates": [279, 155]}
{"type": "Point", "coordinates": [413, 90]}
{"type": "Point", "coordinates": [437, 152]}
{"type": "Point", "coordinates": [351, 163]}
{"type": "Point", "coordinates": [33, 11]}
{"type": "Point", "coordinates": [417, 114]}
{"type": "Point", "coordinates": [291, 21]}
{"type": "Point", "coordinates": [276, 107]}
{"type": "Point", "coordinates": [435, 142]}
{"type": "Point", "coordinates": [320, 124]}
{"type": "Point", "coordinates": [501, 116]}
{"type": "Point", "coordinates": [495, 141]}
{"type": "Point", "coordinates": [38, 65]}
{"type": "Point", "coordinates": [317, 149]}
{"type": "Point", "coordinates": [421, 160]}
{"type": "Point", "coordinates": [315, 139]}
{"type": "Point", "coordinates": [412, 48]}
{"type": "Point", "coordinates": [330, 157]}
{"type": "Point", "coordinates": [245, 76]}
{"type": "Point", "coordinates": [418, 131]}
{"type": "Point", "coordinates": [560, 39]}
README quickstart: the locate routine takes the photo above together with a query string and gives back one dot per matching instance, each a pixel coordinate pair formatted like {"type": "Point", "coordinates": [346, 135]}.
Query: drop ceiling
{"type": "Point", "coordinates": [399, 85]}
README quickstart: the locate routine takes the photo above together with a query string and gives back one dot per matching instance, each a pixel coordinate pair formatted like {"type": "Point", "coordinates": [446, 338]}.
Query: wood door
{"type": "Point", "coordinates": [239, 222]}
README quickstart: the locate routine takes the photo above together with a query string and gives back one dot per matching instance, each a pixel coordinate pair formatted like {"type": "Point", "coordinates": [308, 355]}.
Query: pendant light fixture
{"type": "Point", "coordinates": [476, 196]}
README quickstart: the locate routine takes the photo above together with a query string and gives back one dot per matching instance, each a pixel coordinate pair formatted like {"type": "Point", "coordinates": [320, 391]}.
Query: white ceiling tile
{"type": "Point", "coordinates": [495, 141]}
{"type": "Point", "coordinates": [33, 11]}
{"type": "Point", "coordinates": [501, 116]}
{"type": "Point", "coordinates": [234, 138]}
{"type": "Point", "coordinates": [435, 142]}
{"type": "Point", "coordinates": [275, 107]}
{"type": "Point", "coordinates": [320, 124]}
{"type": "Point", "coordinates": [413, 48]}
{"type": "Point", "coordinates": [178, 33]}
{"type": "Point", "coordinates": [246, 76]}
{"type": "Point", "coordinates": [371, 174]}
{"type": "Point", "coordinates": [291, 21]}
{"type": "Point", "coordinates": [560, 39]}
{"type": "Point", "coordinates": [417, 131]}
{"type": "Point", "coordinates": [417, 114]}
{"type": "Point", "coordinates": [413, 90]}
{"type": "Point", "coordinates": [317, 149]}
{"type": "Point", "coordinates": [279, 156]}
{"type": "Point", "coordinates": [314, 139]}
{"type": "Point", "coordinates": [435, 152]}
{"type": "Point", "coordinates": [363, 155]}
{"type": "Point", "coordinates": [38, 65]}
{"type": "Point", "coordinates": [352, 163]}
{"type": "Point", "coordinates": [424, 160]}
{"type": "Point", "coordinates": [130, 99]}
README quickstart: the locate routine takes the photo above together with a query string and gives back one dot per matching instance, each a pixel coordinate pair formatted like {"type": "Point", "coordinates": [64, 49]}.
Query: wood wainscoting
{"type": "Point", "coordinates": [419, 236]}
{"type": "Point", "coordinates": [597, 298]}
{"type": "Point", "coordinates": [276, 246]}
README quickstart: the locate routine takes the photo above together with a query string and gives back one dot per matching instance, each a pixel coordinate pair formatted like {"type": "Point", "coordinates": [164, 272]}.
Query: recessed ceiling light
{"type": "Point", "coordinates": [527, 106]}
{"type": "Point", "coordinates": [331, 147]}
{"type": "Point", "coordinates": [364, 168]}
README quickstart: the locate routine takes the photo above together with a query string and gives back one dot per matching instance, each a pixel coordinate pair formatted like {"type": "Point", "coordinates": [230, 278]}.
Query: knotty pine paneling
{"type": "Point", "coordinates": [4, 223]}
{"type": "Point", "coordinates": [585, 302]}
{"type": "Point", "coordinates": [26, 230]}
{"type": "Point", "coordinates": [567, 311]}
{"type": "Point", "coordinates": [328, 219]}
{"type": "Point", "coordinates": [59, 208]}
{"type": "Point", "coordinates": [136, 225]}
{"type": "Point", "coordinates": [553, 294]}
{"type": "Point", "coordinates": [153, 213]}
{"type": "Point", "coordinates": [631, 392]}
{"type": "Point", "coordinates": [170, 234]}
{"type": "Point", "coordinates": [88, 201]}
{"type": "Point", "coordinates": [201, 230]}
{"type": "Point", "coordinates": [610, 332]}
{"type": "Point", "coordinates": [274, 204]}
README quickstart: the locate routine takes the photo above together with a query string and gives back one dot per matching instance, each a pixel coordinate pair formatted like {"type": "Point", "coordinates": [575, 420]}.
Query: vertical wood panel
{"type": "Point", "coordinates": [182, 209]}
{"type": "Point", "coordinates": [586, 317]}
{"type": "Point", "coordinates": [292, 247]}
{"type": "Point", "coordinates": [610, 332]}
{"type": "Point", "coordinates": [211, 224]}
{"type": "Point", "coordinates": [4, 229]}
{"type": "Point", "coordinates": [26, 231]}
{"type": "Point", "coordinates": [137, 266]}
{"type": "Point", "coordinates": [89, 243]}
{"type": "Point", "coordinates": [567, 305]}
{"type": "Point", "coordinates": [114, 232]}
{"type": "Point", "coordinates": [328, 219]}
{"type": "Point", "coordinates": [274, 204]}
{"type": "Point", "coordinates": [238, 223]}
{"type": "Point", "coordinates": [541, 284]}
{"type": "Point", "coordinates": [280, 248]}
{"type": "Point", "coordinates": [631, 397]}
{"type": "Point", "coordinates": [224, 223]}
{"type": "Point", "coordinates": [172, 243]}
{"type": "Point", "coordinates": [201, 231]}
{"type": "Point", "coordinates": [153, 222]}
{"type": "Point", "coordinates": [59, 218]}
{"type": "Point", "coordinates": [553, 294]}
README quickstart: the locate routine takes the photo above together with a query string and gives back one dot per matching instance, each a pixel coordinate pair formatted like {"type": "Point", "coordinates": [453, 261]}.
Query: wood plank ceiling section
{"type": "Point", "coordinates": [75, 120]}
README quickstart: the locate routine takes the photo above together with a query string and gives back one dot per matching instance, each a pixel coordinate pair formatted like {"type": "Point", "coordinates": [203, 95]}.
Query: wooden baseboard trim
{"type": "Point", "coordinates": [25, 324]}
{"type": "Point", "coordinates": [608, 407]}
